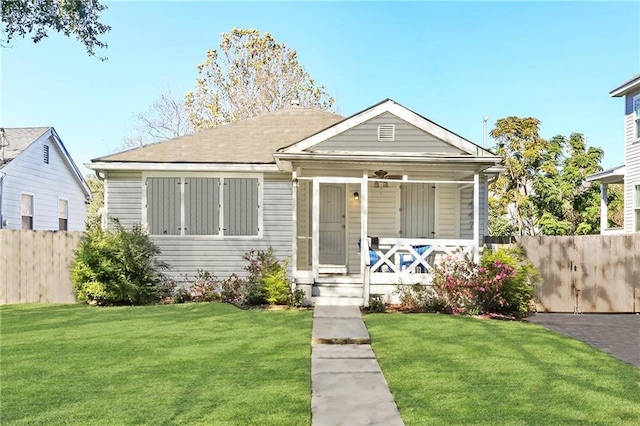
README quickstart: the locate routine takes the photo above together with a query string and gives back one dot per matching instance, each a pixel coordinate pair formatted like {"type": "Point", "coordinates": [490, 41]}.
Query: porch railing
{"type": "Point", "coordinates": [411, 260]}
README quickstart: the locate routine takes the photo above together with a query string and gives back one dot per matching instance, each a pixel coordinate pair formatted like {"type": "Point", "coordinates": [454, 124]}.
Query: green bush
{"type": "Point", "coordinates": [117, 267]}
{"type": "Point", "coordinates": [233, 289]}
{"type": "Point", "coordinates": [417, 298]}
{"type": "Point", "coordinates": [518, 290]}
{"type": "Point", "coordinates": [277, 286]}
{"type": "Point", "coordinates": [296, 298]}
{"type": "Point", "coordinates": [376, 303]}
{"type": "Point", "coordinates": [267, 281]}
{"type": "Point", "coordinates": [204, 288]}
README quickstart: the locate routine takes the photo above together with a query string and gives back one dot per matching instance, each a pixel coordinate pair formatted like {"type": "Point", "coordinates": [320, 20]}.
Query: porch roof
{"type": "Point", "coordinates": [614, 175]}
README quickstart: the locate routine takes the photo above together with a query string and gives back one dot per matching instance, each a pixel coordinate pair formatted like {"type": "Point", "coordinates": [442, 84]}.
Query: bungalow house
{"type": "Point", "coordinates": [629, 173]}
{"type": "Point", "coordinates": [359, 204]}
{"type": "Point", "coordinates": [41, 187]}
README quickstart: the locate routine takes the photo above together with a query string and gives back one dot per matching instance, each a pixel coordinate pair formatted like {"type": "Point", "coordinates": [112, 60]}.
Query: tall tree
{"type": "Point", "coordinates": [250, 74]}
{"type": "Point", "coordinates": [565, 202]}
{"type": "Point", "coordinates": [79, 18]}
{"type": "Point", "coordinates": [166, 118]}
{"type": "Point", "coordinates": [518, 140]}
{"type": "Point", "coordinates": [94, 209]}
{"type": "Point", "coordinates": [543, 190]}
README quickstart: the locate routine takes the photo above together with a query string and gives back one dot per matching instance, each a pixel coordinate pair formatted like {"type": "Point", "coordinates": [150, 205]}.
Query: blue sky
{"type": "Point", "coordinates": [452, 62]}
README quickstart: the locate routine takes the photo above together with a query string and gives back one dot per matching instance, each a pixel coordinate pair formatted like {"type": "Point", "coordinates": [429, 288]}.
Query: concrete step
{"type": "Point", "coordinates": [336, 301]}
{"type": "Point", "coordinates": [339, 325]}
{"type": "Point", "coordinates": [337, 290]}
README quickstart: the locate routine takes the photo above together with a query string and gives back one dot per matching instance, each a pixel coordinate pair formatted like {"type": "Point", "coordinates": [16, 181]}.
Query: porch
{"type": "Point", "coordinates": [362, 235]}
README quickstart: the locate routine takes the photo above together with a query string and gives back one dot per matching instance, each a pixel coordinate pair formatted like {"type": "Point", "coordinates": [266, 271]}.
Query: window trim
{"type": "Point", "coordinates": [221, 176]}
{"type": "Point", "coordinates": [636, 116]}
{"type": "Point", "coordinates": [66, 214]}
{"type": "Point", "coordinates": [33, 208]}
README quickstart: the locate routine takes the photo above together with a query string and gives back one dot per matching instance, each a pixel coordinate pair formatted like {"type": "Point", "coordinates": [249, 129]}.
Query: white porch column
{"type": "Point", "coordinates": [364, 241]}
{"type": "Point", "coordinates": [604, 211]}
{"type": "Point", "coordinates": [476, 215]}
{"type": "Point", "coordinates": [315, 228]}
{"type": "Point", "coordinates": [294, 218]}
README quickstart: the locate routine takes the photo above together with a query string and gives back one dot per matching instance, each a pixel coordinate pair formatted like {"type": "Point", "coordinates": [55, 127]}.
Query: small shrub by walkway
{"type": "Point", "coordinates": [207, 363]}
{"type": "Point", "coordinates": [461, 370]}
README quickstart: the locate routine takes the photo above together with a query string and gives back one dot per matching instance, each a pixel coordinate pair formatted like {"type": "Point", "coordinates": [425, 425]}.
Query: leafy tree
{"type": "Point", "coordinates": [94, 217]}
{"type": "Point", "coordinates": [250, 74]}
{"type": "Point", "coordinates": [166, 118]}
{"type": "Point", "coordinates": [79, 18]}
{"type": "Point", "coordinates": [543, 189]}
{"type": "Point", "coordinates": [566, 203]}
{"type": "Point", "coordinates": [519, 141]}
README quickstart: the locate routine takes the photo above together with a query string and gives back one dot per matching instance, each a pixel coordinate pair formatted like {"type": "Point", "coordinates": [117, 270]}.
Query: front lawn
{"type": "Point", "coordinates": [460, 370]}
{"type": "Point", "coordinates": [204, 363]}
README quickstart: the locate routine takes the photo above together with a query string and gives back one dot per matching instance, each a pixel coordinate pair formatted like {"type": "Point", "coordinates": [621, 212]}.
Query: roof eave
{"type": "Point", "coordinates": [627, 87]}
{"type": "Point", "coordinates": [198, 167]}
{"type": "Point", "coordinates": [614, 175]}
{"type": "Point", "coordinates": [282, 156]}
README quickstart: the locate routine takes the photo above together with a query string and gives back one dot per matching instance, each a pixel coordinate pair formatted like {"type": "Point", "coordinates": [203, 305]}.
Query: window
{"type": "Point", "coordinates": [45, 154]}
{"type": "Point", "coordinates": [63, 215]}
{"type": "Point", "coordinates": [636, 206]}
{"type": "Point", "coordinates": [26, 211]}
{"type": "Point", "coordinates": [636, 112]}
{"type": "Point", "coordinates": [203, 206]}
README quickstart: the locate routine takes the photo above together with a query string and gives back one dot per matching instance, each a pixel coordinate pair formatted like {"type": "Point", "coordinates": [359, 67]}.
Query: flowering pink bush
{"type": "Point", "coordinates": [465, 287]}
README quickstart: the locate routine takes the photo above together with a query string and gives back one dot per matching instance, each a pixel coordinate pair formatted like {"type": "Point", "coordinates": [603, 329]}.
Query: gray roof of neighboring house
{"type": "Point", "coordinates": [249, 141]}
{"type": "Point", "coordinates": [624, 88]}
{"type": "Point", "coordinates": [17, 140]}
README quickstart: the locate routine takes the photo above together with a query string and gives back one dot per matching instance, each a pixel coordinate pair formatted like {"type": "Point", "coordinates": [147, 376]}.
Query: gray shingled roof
{"type": "Point", "coordinates": [17, 140]}
{"type": "Point", "coordinates": [249, 141]}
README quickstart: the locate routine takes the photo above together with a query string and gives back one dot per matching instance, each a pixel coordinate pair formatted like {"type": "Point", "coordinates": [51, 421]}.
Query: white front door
{"type": "Point", "coordinates": [332, 224]}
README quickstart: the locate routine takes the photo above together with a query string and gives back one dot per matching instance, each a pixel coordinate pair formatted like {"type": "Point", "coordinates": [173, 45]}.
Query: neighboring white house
{"type": "Point", "coordinates": [359, 204]}
{"type": "Point", "coordinates": [629, 173]}
{"type": "Point", "coordinates": [41, 187]}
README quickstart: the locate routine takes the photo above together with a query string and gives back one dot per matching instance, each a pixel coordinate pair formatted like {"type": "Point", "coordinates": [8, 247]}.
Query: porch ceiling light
{"type": "Point", "coordinates": [356, 195]}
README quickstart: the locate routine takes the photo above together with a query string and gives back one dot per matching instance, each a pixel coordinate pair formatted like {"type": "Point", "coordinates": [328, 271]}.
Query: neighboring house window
{"type": "Point", "coordinates": [636, 111]}
{"type": "Point", "coordinates": [636, 207]}
{"type": "Point", "coordinates": [63, 215]}
{"type": "Point", "coordinates": [198, 206]}
{"type": "Point", "coordinates": [45, 154]}
{"type": "Point", "coordinates": [26, 211]}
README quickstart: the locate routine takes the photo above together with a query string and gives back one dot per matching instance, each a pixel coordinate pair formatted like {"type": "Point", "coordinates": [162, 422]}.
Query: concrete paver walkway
{"type": "Point", "coordinates": [616, 334]}
{"type": "Point", "coordinates": [348, 387]}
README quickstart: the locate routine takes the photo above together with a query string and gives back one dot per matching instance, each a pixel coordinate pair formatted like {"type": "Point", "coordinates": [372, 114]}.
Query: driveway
{"type": "Point", "coordinates": [615, 334]}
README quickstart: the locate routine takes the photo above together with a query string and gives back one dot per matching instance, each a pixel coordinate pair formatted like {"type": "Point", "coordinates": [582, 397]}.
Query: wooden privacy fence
{"type": "Point", "coordinates": [34, 266]}
{"type": "Point", "coordinates": [591, 273]}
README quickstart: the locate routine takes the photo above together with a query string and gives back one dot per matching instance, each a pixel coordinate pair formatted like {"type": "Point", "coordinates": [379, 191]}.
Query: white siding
{"type": "Point", "coordinates": [632, 163]}
{"type": "Point", "coordinates": [353, 229]}
{"type": "Point", "coordinates": [383, 211]}
{"type": "Point", "coordinates": [466, 212]}
{"type": "Point", "coordinates": [304, 225]}
{"type": "Point", "coordinates": [48, 183]}
{"type": "Point", "coordinates": [123, 197]}
{"type": "Point", "coordinates": [220, 256]}
{"type": "Point", "coordinates": [364, 138]}
{"type": "Point", "coordinates": [447, 208]}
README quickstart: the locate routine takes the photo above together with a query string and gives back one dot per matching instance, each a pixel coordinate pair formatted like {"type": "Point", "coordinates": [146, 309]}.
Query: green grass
{"type": "Point", "coordinates": [460, 370]}
{"type": "Point", "coordinates": [208, 364]}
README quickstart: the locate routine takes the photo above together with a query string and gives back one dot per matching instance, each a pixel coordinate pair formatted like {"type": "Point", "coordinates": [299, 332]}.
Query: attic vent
{"type": "Point", "coordinates": [45, 154]}
{"type": "Point", "coordinates": [386, 132]}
